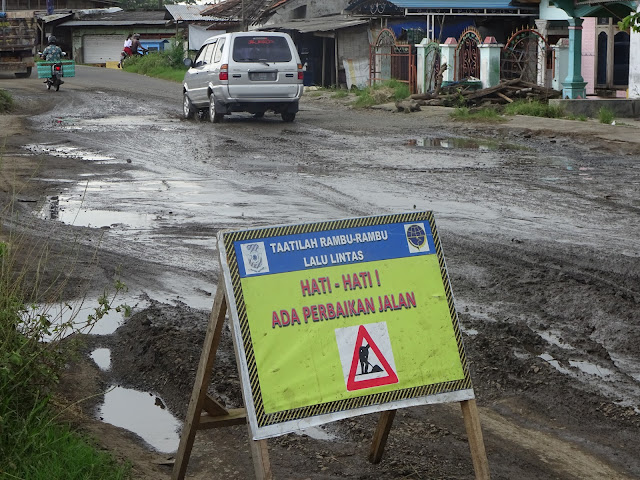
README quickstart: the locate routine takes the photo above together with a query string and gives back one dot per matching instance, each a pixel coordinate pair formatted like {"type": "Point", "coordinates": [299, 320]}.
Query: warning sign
{"type": "Point", "coordinates": [341, 318]}
{"type": "Point", "coordinates": [366, 362]}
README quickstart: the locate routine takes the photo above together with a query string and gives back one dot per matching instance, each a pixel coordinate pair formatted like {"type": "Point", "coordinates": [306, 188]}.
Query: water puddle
{"type": "Point", "coordinates": [102, 358]}
{"type": "Point", "coordinates": [67, 318]}
{"type": "Point", "coordinates": [316, 433]}
{"type": "Point", "coordinates": [591, 368]}
{"type": "Point", "coordinates": [117, 122]}
{"type": "Point", "coordinates": [66, 151]}
{"type": "Point", "coordinates": [143, 414]}
{"type": "Point", "coordinates": [483, 145]}
{"type": "Point", "coordinates": [554, 339]}
{"type": "Point", "coordinates": [70, 209]}
{"type": "Point", "coordinates": [554, 363]}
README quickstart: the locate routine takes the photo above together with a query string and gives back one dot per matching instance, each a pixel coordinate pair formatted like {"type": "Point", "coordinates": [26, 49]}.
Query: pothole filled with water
{"type": "Point", "coordinates": [70, 210]}
{"type": "Point", "coordinates": [486, 145]}
{"type": "Point", "coordinates": [144, 414]}
{"type": "Point", "coordinates": [67, 151]}
{"type": "Point", "coordinates": [102, 358]}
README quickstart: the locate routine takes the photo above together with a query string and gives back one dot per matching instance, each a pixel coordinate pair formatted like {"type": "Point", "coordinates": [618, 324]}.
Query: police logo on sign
{"type": "Point", "coordinates": [255, 258]}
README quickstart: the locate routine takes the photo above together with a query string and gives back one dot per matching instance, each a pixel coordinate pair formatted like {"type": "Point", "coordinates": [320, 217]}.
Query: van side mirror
{"type": "Point", "coordinates": [188, 62]}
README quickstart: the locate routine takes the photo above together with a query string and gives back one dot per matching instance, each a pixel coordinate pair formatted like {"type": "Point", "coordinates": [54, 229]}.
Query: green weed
{"type": "Point", "coordinates": [533, 108]}
{"type": "Point", "coordinates": [384, 92]}
{"type": "Point", "coordinates": [32, 444]}
{"type": "Point", "coordinates": [166, 64]}
{"type": "Point", "coordinates": [340, 94]}
{"type": "Point", "coordinates": [6, 101]}
{"type": "Point", "coordinates": [605, 115]}
{"type": "Point", "coordinates": [482, 115]}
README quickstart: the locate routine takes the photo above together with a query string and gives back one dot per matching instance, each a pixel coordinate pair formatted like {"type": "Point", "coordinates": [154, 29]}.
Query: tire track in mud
{"type": "Point", "coordinates": [567, 459]}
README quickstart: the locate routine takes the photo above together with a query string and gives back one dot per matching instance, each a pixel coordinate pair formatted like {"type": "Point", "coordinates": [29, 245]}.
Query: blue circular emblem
{"type": "Point", "coordinates": [416, 236]}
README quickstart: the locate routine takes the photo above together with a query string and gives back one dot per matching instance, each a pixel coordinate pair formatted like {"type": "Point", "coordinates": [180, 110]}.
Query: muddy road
{"type": "Point", "coordinates": [539, 221]}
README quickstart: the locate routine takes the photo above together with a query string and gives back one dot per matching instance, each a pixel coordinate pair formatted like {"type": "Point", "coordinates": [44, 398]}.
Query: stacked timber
{"type": "Point", "coordinates": [507, 91]}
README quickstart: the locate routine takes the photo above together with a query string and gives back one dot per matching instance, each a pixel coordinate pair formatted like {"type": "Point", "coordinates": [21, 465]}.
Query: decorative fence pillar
{"type": "Point", "coordinates": [448, 57]}
{"type": "Point", "coordinates": [490, 62]}
{"type": "Point", "coordinates": [574, 85]}
{"type": "Point", "coordinates": [561, 50]}
{"type": "Point", "coordinates": [543, 28]}
{"type": "Point", "coordinates": [421, 68]}
{"type": "Point", "coordinates": [634, 63]}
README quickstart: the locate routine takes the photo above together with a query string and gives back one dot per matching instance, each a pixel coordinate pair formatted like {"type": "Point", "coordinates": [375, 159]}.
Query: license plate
{"type": "Point", "coordinates": [262, 76]}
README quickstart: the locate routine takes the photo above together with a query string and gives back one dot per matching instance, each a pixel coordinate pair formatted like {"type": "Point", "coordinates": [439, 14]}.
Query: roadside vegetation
{"type": "Point", "coordinates": [482, 115]}
{"type": "Point", "coordinates": [605, 115]}
{"type": "Point", "coordinates": [35, 443]}
{"type": "Point", "coordinates": [6, 101]}
{"type": "Point", "coordinates": [166, 64]}
{"type": "Point", "coordinates": [383, 92]}
{"type": "Point", "coordinates": [533, 108]}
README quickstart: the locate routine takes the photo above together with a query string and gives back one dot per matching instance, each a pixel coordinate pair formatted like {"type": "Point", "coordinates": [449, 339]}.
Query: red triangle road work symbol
{"type": "Point", "coordinates": [384, 374]}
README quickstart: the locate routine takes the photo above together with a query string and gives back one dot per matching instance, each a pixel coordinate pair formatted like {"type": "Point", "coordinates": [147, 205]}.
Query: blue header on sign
{"type": "Point", "coordinates": [328, 248]}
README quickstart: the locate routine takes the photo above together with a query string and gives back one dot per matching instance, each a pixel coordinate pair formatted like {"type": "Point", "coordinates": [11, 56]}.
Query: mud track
{"type": "Point", "coordinates": [540, 230]}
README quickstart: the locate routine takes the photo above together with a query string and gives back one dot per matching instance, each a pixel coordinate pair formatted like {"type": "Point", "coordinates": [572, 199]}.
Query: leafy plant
{"type": "Point", "coordinates": [390, 90]}
{"type": "Point", "coordinates": [6, 101]}
{"type": "Point", "coordinates": [167, 64]}
{"type": "Point", "coordinates": [482, 115]}
{"type": "Point", "coordinates": [605, 115]}
{"type": "Point", "coordinates": [32, 356]}
{"type": "Point", "coordinates": [533, 108]}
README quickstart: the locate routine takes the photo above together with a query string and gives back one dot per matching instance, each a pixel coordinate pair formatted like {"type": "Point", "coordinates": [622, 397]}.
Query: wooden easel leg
{"type": "Point", "coordinates": [260, 456]}
{"type": "Point", "coordinates": [203, 378]}
{"type": "Point", "coordinates": [380, 436]}
{"type": "Point", "coordinates": [476, 443]}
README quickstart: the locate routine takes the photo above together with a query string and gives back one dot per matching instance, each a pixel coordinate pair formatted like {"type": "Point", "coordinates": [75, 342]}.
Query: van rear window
{"type": "Point", "coordinates": [261, 48]}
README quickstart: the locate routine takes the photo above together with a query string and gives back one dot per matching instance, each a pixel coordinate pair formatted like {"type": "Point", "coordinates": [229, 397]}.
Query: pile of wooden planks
{"type": "Point", "coordinates": [506, 91]}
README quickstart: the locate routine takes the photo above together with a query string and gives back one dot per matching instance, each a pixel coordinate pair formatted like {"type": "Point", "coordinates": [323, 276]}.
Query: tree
{"type": "Point", "coordinates": [630, 22]}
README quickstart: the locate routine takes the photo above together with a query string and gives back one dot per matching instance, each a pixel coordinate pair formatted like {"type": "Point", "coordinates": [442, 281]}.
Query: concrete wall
{"type": "Point", "coordinates": [79, 33]}
{"type": "Point", "coordinates": [315, 8]}
{"type": "Point", "coordinates": [549, 12]}
{"type": "Point", "coordinates": [589, 52]}
{"type": "Point", "coordinates": [621, 107]}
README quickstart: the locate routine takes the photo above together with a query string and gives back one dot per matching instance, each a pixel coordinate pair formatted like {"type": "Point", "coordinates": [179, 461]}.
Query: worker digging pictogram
{"type": "Point", "coordinates": [366, 356]}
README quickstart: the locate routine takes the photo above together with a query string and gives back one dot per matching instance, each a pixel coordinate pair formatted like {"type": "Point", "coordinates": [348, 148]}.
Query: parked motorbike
{"type": "Point", "coordinates": [55, 80]}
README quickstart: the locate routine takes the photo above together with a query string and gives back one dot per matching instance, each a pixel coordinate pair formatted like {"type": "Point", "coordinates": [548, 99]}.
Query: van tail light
{"type": "Point", "coordinates": [300, 72]}
{"type": "Point", "coordinates": [224, 72]}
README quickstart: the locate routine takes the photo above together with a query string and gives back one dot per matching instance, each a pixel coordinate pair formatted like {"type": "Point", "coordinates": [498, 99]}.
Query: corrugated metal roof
{"type": "Point", "coordinates": [456, 4]}
{"type": "Point", "coordinates": [113, 23]}
{"type": "Point", "coordinates": [189, 13]}
{"type": "Point", "coordinates": [319, 24]}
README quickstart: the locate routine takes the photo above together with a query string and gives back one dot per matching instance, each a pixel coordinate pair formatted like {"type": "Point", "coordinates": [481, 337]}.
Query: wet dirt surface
{"type": "Point", "coordinates": [540, 230]}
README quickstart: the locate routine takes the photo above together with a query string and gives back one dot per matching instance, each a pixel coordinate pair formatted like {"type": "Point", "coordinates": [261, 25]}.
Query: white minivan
{"type": "Point", "coordinates": [244, 72]}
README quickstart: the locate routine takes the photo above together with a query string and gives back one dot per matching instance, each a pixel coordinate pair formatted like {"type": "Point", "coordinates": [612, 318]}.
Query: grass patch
{"type": "Point", "coordinates": [388, 91]}
{"type": "Point", "coordinates": [340, 94]}
{"type": "Point", "coordinates": [33, 445]}
{"type": "Point", "coordinates": [166, 64]}
{"type": "Point", "coordinates": [533, 108]}
{"type": "Point", "coordinates": [6, 101]}
{"type": "Point", "coordinates": [605, 115]}
{"type": "Point", "coordinates": [482, 115]}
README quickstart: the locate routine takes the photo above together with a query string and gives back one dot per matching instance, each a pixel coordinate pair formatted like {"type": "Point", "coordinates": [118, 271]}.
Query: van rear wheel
{"type": "Point", "coordinates": [288, 117]}
{"type": "Point", "coordinates": [214, 116]}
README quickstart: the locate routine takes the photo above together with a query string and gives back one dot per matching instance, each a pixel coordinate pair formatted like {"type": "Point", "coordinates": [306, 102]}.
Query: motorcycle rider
{"type": "Point", "coordinates": [136, 46]}
{"type": "Point", "coordinates": [53, 53]}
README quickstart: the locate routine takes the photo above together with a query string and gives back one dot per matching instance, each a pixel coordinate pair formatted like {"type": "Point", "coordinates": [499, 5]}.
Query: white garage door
{"type": "Point", "coordinates": [102, 48]}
